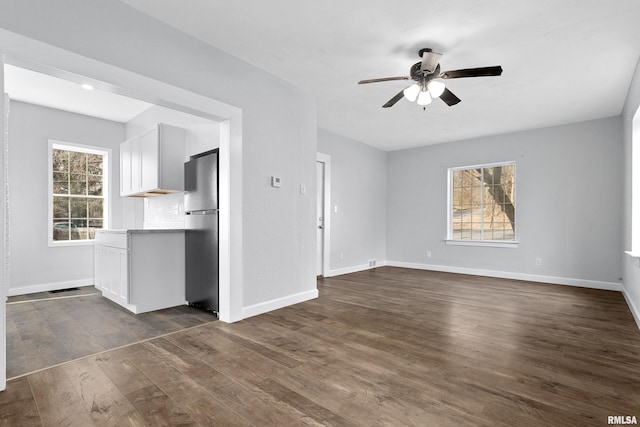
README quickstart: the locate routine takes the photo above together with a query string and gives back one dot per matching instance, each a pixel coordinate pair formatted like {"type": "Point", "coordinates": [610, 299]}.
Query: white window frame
{"type": "Point", "coordinates": [70, 146]}
{"type": "Point", "coordinates": [489, 243]}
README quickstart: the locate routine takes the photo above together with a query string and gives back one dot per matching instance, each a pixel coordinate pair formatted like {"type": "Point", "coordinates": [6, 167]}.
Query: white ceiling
{"type": "Point", "coordinates": [564, 61]}
{"type": "Point", "coordinates": [41, 89]}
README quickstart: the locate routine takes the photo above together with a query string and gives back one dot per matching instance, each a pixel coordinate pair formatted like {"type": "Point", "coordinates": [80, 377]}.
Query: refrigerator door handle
{"type": "Point", "coordinates": [202, 212]}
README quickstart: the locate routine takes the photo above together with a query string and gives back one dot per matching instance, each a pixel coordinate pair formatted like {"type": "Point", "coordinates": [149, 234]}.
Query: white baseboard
{"type": "Point", "coordinates": [46, 287]}
{"type": "Point", "coordinates": [264, 307]}
{"type": "Point", "coordinates": [354, 269]}
{"type": "Point", "coordinates": [634, 309]}
{"type": "Point", "coordinates": [609, 286]}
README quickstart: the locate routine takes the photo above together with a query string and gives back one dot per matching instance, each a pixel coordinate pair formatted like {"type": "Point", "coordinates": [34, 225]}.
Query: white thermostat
{"type": "Point", "coordinates": [276, 181]}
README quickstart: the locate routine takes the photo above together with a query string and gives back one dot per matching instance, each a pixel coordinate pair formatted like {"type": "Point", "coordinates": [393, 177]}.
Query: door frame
{"type": "Point", "coordinates": [326, 235]}
{"type": "Point", "coordinates": [4, 273]}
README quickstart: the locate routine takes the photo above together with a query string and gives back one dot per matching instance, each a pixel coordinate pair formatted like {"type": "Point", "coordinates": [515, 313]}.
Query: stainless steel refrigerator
{"type": "Point", "coordinates": [201, 230]}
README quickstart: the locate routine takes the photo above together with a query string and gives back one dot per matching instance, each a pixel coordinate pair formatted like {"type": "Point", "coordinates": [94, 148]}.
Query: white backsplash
{"type": "Point", "coordinates": [162, 212]}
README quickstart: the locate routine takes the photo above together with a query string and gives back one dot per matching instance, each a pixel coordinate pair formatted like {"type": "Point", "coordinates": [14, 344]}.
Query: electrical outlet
{"type": "Point", "coordinates": [428, 254]}
{"type": "Point", "coordinates": [538, 262]}
{"type": "Point", "coordinates": [341, 255]}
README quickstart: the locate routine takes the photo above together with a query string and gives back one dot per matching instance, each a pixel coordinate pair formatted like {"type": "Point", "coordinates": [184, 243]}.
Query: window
{"type": "Point", "coordinates": [78, 188]}
{"type": "Point", "coordinates": [482, 203]}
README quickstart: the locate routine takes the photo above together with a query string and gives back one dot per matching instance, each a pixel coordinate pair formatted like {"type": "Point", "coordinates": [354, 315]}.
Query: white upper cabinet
{"type": "Point", "coordinates": [152, 163]}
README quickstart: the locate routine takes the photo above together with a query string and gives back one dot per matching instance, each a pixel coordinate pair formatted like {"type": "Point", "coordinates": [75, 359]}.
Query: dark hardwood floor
{"type": "Point", "coordinates": [390, 346]}
{"type": "Point", "coordinates": [46, 329]}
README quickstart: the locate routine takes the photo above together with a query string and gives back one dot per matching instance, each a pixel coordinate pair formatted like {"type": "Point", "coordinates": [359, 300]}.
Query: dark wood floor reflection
{"type": "Point", "coordinates": [387, 347]}
{"type": "Point", "coordinates": [47, 329]}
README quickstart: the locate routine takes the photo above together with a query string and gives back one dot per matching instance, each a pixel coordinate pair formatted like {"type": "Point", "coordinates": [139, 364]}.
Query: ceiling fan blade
{"type": "Point", "coordinates": [383, 79]}
{"type": "Point", "coordinates": [472, 72]}
{"type": "Point", "coordinates": [430, 60]}
{"type": "Point", "coordinates": [392, 101]}
{"type": "Point", "coordinates": [449, 98]}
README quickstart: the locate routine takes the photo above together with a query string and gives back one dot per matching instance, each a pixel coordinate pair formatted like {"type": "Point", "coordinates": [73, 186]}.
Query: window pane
{"type": "Point", "coordinates": [78, 184]}
{"type": "Point", "coordinates": [60, 160]}
{"type": "Point", "coordinates": [76, 233]}
{"type": "Point", "coordinates": [61, 230]}
{"type": "Point", "coordinates": [60, 207]}
{"type": "Point", "coordinates": [95, 208]}
{"type": "Point", "coordinates": [60, 183]}
{"type": "Point", "coordinates": [78, 207]}
{"type": "Point", "coordinates": [457, 178]}
{"type": "Point", "coordinates": [77, 162]}
{"type": "Point", "coordinates": [94, 164]}
{"type": "Point", "coordinates": [94, 186]}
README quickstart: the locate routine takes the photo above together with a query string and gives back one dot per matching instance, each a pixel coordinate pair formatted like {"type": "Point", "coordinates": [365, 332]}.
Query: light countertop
{"type": "Point", "coordinates": [141, 231]}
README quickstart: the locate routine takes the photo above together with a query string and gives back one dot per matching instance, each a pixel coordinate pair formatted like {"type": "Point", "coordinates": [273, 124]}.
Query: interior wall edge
{"type": "Point", "coordinates": [275, 304]}
{"type": "Point", "coordinates": [634, 310]}
{"type": "Point", "coordinates": [354, 269]}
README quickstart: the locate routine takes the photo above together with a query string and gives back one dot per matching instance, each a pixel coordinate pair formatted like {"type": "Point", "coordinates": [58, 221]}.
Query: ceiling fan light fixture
{"type": "Point", "coordinates": [424, 98]}
{"type": "Point", "coordinates": [411, 93]}
{"type": "Point", "coordinates": [436, 88]}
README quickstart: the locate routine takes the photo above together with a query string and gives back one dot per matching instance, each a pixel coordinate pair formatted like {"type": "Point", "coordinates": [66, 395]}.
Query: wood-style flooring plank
{"type": "Point", "coordinates": [158, 409]}
{"type": "Point", "coordinates": [57, 400]}
{"type": "Point", "coordinates": [17, 406]}
{"type": "Point", "coordinates": [105, 403]}
{"type": "Point", "coordinates": [208, 411]}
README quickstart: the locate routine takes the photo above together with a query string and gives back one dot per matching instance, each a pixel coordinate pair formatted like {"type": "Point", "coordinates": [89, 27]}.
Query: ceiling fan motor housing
{"type": "Point", "coordinates": [423, 77]}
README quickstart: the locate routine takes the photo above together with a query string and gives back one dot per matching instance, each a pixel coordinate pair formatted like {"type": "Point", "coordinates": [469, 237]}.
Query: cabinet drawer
{"type": "Point", "coordinates": [114, 240]}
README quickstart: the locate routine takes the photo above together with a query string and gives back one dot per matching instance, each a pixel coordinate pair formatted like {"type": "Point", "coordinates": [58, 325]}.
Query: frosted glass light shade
{"type": "Point", "coordinates": [436, 88]}
{"type": "Point", "coordinates": [424, 98]}
{"type": "Point", "coordinates": [411, 93]}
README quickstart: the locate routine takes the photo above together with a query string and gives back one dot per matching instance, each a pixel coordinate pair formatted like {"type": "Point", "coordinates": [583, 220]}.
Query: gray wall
{"type": "Point", "coordinates": [631, 275]}
{"type": "Point", "coordinates": [569, 204]}
{"type": "Point", "coordinates": [34, 265]}
{"type": "Point", "coordinates": [279, 129]}
{"type": "Point", "coordinates": [358, 189]}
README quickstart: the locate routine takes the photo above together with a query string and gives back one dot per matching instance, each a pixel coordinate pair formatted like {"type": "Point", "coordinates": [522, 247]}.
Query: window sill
{"type": "Point", "coordinates": [60, 243]}
{"type": "Point", "coordinates": [484, 243]}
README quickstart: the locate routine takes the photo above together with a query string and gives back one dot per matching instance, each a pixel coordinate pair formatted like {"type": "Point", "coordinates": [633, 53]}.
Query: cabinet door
{"type": "Point", "coordinates": [98, 267]}
{"type": "Point", "coordinates": [130, 167]}
{"type": "Point", "coordinates": [125, 168]}
{"type": "Point", "coordinates": [123, 279]}
{"type": "Point", "coordinates": [149, 161]}
{"type": "Point", "coordinates": [116, 274]}
{"type": "Point", "coordinates": [135, 165]}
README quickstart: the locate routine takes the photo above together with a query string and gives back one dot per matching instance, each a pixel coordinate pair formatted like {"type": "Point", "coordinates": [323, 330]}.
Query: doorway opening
{"type": "Point", "coordinates": [44, 330]}
{"type": "Point", "coordinates": [323, 214]}
{"type": "Point", "coordinates": [21, 51]}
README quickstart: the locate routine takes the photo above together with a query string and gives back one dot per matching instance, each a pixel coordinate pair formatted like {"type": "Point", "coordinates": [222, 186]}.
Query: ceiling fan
{"type": "Point", "coordinates": [427, 86]}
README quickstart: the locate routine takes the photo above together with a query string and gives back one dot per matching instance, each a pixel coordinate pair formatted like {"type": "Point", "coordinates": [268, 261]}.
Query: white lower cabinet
{"type": "Point", "coordinates": [142, 270]}
{"type": "Point", "coordinates": [112, 273]}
